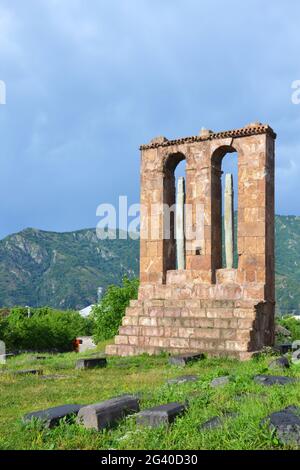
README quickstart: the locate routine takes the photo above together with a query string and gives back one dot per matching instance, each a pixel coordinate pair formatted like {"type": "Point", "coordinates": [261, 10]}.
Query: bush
{"type": "Point", "coordinates": [46, 329]}
{"type": "Point", "coordinates": [292, 325]}
{"type": "Point", "coordinates": [109, 312]}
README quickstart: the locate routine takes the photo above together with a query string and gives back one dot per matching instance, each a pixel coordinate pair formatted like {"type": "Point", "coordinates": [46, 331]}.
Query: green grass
{"type": "Point", "coordinates": [147, 376]}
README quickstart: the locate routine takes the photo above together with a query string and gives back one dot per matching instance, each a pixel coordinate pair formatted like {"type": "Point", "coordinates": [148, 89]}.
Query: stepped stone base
{"type": "Point", "coordinates": [228, 319]}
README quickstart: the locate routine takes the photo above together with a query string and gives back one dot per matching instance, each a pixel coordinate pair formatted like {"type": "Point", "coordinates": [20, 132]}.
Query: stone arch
{"type": "Point", "coordinates": [171, 161]}
{"type": "Point", "coordinates": [216, 203]}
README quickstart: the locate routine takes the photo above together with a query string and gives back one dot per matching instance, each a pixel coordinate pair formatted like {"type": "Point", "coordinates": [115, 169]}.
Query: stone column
{"type": "Point", "coordinates": [229, 221]}
{"type": "Point", "coordinates": [180, 239]}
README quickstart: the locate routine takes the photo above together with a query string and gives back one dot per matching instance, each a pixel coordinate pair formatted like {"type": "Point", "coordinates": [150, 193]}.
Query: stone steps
{"type": "Point", "coordinates": [174, 326]}
{"type": "Point", "coordinates": [130, 350]}
{"type": "Point", "coordinates": [130, 324]}
{"type": "Point", "coordinates": [210, 333]}
{"type": "Point", "coordinates": [181, 337]}
{"type": "Point", "coordinates": [215, 327]}
{"type": "Point", "coordinates": [188, 310]}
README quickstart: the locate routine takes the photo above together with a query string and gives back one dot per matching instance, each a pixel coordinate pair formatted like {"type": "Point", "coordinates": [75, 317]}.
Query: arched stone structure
{"type": "Point", "coordinates": [205, 308]}
{"type": "Point", "coordinates": [216, 205]}
{"type": "Point", "coordinates": [170, 162]}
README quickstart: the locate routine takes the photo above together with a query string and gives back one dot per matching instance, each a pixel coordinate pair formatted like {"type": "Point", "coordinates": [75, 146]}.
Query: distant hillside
{"type": "Point", "coordinates": [64, 270]}
{"type": "Point", "coordinates": [288, 263]}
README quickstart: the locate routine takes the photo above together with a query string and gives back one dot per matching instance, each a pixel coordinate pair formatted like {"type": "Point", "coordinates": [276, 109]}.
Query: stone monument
{"type": "Point", "coordinates": [190, 300]}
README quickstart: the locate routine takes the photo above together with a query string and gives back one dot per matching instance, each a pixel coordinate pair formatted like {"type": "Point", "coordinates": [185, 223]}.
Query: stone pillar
{"type": "Point", "coordinates": [180, 238]}
{"type": "Point", "coordinates": [229, 221]}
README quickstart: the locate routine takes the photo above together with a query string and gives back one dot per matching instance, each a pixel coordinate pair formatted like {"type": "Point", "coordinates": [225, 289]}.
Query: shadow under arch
{"type": "Point", "coordinates": [216, 205]}
{"type": "Point", "coordinates": [169, 201]}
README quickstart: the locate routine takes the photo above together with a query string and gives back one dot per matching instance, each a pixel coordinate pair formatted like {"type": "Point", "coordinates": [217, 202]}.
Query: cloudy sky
{"type": "Point", "coordinates": [89, 81]}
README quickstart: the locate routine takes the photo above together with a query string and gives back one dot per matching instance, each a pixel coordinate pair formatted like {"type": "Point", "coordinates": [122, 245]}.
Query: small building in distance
{"type": "Point", "coordinates": [85, 312]}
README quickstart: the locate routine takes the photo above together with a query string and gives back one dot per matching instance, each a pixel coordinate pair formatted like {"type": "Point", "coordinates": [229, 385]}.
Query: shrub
{"type": "Point", "coordinates": [109, 312]}
{"type": "Point", "coordinates": [292, 325]}
{"type": "Point", "coordinates": [46, 329]}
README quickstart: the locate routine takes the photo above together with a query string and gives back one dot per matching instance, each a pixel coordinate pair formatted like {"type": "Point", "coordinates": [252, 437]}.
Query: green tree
{"type": "Point", "coordinates": [109, 312]}
{"type": "Point", "coordinates": [46, 329]}
{"type": "Point", "coordinates": [293, 325]}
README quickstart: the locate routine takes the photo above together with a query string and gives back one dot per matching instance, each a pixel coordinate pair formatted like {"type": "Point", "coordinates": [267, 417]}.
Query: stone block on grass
{"type": "Point", "coordinates": [91, 363]}
{"type": "Point", "coordinates": [279, 363]}
{"type": "Point", "coordinates": [51, 416]}
{"type": "Point", "coordinates": [28, 372]}
{"type": "Point", "coordinates": [286, 424]}
{"type": "Point", "coordinates": [216, 421]}
{"type": "Point", "coordinates": [107, 413]}
{"type": "Point", "coordinates": [219, 381]}
{"type": "Point", "coordinates": [162, 415]}
{"type": "Point", "coordinates": [184, 359]}
{"type": "Point", "coordinates": [269, 380]}
{"type": "Point", "coordinates": [284, 348]}
{"type": "Point", "coordinates": [183, 379]}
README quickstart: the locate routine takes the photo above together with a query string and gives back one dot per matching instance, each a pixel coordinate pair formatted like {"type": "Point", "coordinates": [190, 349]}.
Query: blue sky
{"type": "Point", "coordinates": [89, 81]}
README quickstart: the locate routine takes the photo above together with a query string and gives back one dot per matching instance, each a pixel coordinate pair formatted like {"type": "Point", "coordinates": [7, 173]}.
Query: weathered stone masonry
{"type": "Point", "coordinates": [206, 308]}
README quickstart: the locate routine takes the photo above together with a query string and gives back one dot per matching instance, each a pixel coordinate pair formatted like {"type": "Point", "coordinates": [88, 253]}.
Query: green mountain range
{"type": "Point", "coordinates": [62, 270]}
{"type": "Point", "coordinates": [65, 270]}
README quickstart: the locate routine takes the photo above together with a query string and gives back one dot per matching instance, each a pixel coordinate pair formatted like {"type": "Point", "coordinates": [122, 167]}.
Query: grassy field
{"type": "Point", "coordinates": [146, 376]}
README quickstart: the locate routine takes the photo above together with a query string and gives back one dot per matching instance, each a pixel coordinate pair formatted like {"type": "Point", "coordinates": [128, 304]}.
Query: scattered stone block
{"type": "Point", "coordinates": [183, 379]}
{"type": "Point", "coordinates": [162, 415]}
{"type": "Point", "coordinates": [184, 359]}
{"type": "Point", "coordinates": [281, 330]}
{"type": "Point", "coordinates": [107, 413]}
{"type": "Point", "coordinates": [270, 380]}
{"type": "Point", "coordinates": [38, 358]}
{"type": "Point", "coordinates": [296, 345]}
{"type": "Point", "coordinates": [284, 348]}
{"type": "Point", "coordinates": [212, 423]}
{"type": "Point", "coordinates": [91, 363]}
{"type": "Point", "coordinates": [279, 363]}
{"type": "Point", "coordinates": [296, 357]}
{"type": "Point", "coordinates": [216, 421]}
{"type": "Point", "coordinates": [28, 372]}
{"type": "Point", "coordinates": [286, 424]}
{"type": "Point", "coordinates": [220, 381]}
{"type": "Point", "coordinates": [51, 416]}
